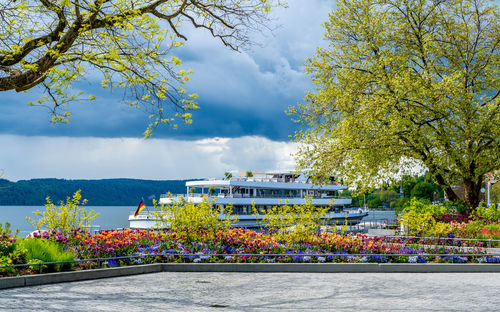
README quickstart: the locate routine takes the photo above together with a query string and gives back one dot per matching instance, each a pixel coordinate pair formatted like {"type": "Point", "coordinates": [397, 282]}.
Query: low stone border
{"type": "Point", "coordinates": [73, 276]}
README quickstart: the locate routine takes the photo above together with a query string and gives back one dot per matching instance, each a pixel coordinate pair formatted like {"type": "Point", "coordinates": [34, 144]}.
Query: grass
{"type": "Point", "coordinates": [38, 250]}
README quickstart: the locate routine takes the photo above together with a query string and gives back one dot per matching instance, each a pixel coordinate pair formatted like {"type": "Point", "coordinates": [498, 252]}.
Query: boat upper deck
{"type": "Point", "coordinates": [264, 183]}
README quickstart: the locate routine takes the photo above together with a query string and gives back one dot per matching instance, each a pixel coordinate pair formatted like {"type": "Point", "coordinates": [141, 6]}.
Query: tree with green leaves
{"type": "Point", "coordinates": [52, 44]}
{"type": "Point", "coordinates": [402, 83]}
{"type": "Point", "coordinates": [65, 217]}
{"type": "Point", "coordinates": [425, 190]}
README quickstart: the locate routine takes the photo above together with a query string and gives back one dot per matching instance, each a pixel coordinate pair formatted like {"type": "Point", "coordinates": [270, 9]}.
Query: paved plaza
{"type": "Point", "coordinates": [168, 291]}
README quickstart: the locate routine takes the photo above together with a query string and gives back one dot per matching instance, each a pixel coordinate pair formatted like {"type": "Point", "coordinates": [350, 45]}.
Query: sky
{"type": "Point", "coordinates": [240, 126]}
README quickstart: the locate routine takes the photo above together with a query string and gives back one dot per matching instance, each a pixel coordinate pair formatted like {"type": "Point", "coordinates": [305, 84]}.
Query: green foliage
{"type": "Point", "coordinates": [488, 214]}
{"type": "Point", "coordinates": [456, 206]}
{"type": "Point", "coordinates": [374, 202]}
{"type": "Point", "coordinates": [42, 250]}
{"type": "Point", "coordinates": [418, 219]}
{"type": "Point", "coordinates": [106, 192]}
{"type": "Point", "coordinates": [399, 204]}
{"type": "Point", "coordinates": [423, 189]}
{"type": "Point", "coordinates": [249, 174]}
{"type": "Point", "coordinates": [495, 193]}
{"type": "Point", "coordinates": [194, 221]}
{"type": "Point", "coordinates": [10, 253]}
{"type": "Point", "coordinates": [65, 217]}
{"type": "Point", "coordinates": [396, 88]}
{"type": "Point", "coordinates": [424, 206]}
{"type": "Point", "coordinates": [294, 224]}
{"type": "Point", "coordinates": [418, 224]}
{"type": "Point", "coordinates": [16, 256]}
{"type": "Point", "coordinates": [228, 175]}
{"type": "Point", "coordinates": [5, 230]}
{"type": "Point", "coordinates": [130, 43]}
{"type": "Point", "coordinates": [388, 196]}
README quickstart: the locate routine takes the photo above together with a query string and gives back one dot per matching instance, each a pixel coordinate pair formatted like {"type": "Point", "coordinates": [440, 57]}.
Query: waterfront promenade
{"type": "Point", "coordinates": [170, 291]}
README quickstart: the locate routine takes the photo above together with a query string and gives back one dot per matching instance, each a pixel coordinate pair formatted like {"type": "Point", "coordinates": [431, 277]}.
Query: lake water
{"type": "Point", "coordinates": [110, 217]}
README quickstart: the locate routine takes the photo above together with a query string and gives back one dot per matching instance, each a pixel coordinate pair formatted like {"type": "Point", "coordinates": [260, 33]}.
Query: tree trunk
{"type": "Point", "coordinates": [448, 190]}
{"type": "Point", "coordinates": [450, 193]}
{"type": "Point", "coordinates": [472, 193]}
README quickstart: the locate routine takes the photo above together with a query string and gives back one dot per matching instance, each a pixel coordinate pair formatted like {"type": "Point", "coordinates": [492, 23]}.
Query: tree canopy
{"type": "Point", "coordinates": [53, 43]}
{"type": "Point", "coordinates": [404, 83]}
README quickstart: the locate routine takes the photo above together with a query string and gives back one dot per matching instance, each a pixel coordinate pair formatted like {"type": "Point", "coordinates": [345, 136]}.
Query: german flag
{"type": "Point", "coordinates": [139, 208]}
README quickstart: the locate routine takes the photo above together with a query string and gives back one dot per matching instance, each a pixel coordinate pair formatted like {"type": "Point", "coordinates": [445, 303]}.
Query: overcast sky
{"type": "Point", "coordinates": [241, 124]}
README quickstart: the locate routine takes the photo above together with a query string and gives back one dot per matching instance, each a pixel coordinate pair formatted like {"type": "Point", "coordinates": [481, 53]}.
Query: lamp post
{"type": "Point", "coordinates": [489, 184]}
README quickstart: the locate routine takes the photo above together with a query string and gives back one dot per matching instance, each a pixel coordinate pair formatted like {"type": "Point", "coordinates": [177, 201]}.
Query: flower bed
{"type": "Point", "coordinates": [126, 247]}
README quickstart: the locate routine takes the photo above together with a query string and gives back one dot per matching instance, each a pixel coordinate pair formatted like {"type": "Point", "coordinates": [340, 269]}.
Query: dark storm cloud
{"type": "Point", "coordinates": [239, 93]}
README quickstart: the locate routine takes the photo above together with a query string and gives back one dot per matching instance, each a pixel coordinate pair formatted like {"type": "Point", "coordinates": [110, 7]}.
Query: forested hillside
{"type": "Point", "coordinates": [108, 192]}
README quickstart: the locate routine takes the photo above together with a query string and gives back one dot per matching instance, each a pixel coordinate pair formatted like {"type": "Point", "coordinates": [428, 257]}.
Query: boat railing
{"type": "Point", "coordinates": [257, 179]}
{"type": "Point", "coordinates": [148, 215]}
{"type": "Point", "coordinates": [224, 195]}
{"type": "Point", "coordinates": [172, 195]}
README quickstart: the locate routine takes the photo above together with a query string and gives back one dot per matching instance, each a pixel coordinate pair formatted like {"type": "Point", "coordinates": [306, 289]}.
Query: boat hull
{"type": "Point", "coordinates": [149, 221]}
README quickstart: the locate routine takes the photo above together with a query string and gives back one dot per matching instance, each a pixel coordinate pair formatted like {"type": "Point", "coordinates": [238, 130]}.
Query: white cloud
{"type": "Point", "coordinates": [26, 157]}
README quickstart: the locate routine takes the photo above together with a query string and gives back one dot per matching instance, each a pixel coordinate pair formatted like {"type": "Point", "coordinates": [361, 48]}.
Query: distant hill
{"type": "Point", "coordinates": [107, 192]}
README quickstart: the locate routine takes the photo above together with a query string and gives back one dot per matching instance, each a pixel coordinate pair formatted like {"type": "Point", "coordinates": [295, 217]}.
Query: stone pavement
{"type": "Point", "coordinates": [168, 291]}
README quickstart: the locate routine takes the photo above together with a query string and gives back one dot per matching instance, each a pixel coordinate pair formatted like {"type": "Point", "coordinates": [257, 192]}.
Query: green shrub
{"type": "Point", "coordinates": [194, 221]}
{"type": "Point", "coordinates": [488, 214]}
{"type": "Point", "coordinates": [424, 206]}
{"type": "Point", "coordinates": [457, 206]}
{"type": "Point", "coordinates": [399, 204]}
{"type": "Point", "coordinates": [294, 224]}
{"type": "Point", "coordinates": [65, 217]}
{"type": "Point", "coordinates": [423, 190]}
{"type": "Point", "coordinates": [10, 253]}
{"type": "Point", "coordinates": [6, 230]}
{"type": "Point", "coordinates": [418, 218]}
{"type": "Point", "coordinates": [41, 250]}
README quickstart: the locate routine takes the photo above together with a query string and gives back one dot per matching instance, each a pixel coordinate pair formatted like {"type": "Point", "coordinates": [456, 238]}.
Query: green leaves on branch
{"type": "Point", "coordinates": [404, 85]}
{"type": "Point", "coordinates": [295, 223]}
{"type": "Point", "coordinates": [127, 44]}
{"type": "Point", "coordinates": [196, 222]}
{"type": "Point", "coordinates": [64, 217]}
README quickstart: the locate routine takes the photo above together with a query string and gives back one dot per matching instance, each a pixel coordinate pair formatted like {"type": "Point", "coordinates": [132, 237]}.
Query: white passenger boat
{"type": "Point", "coordinates": [264, 190]}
